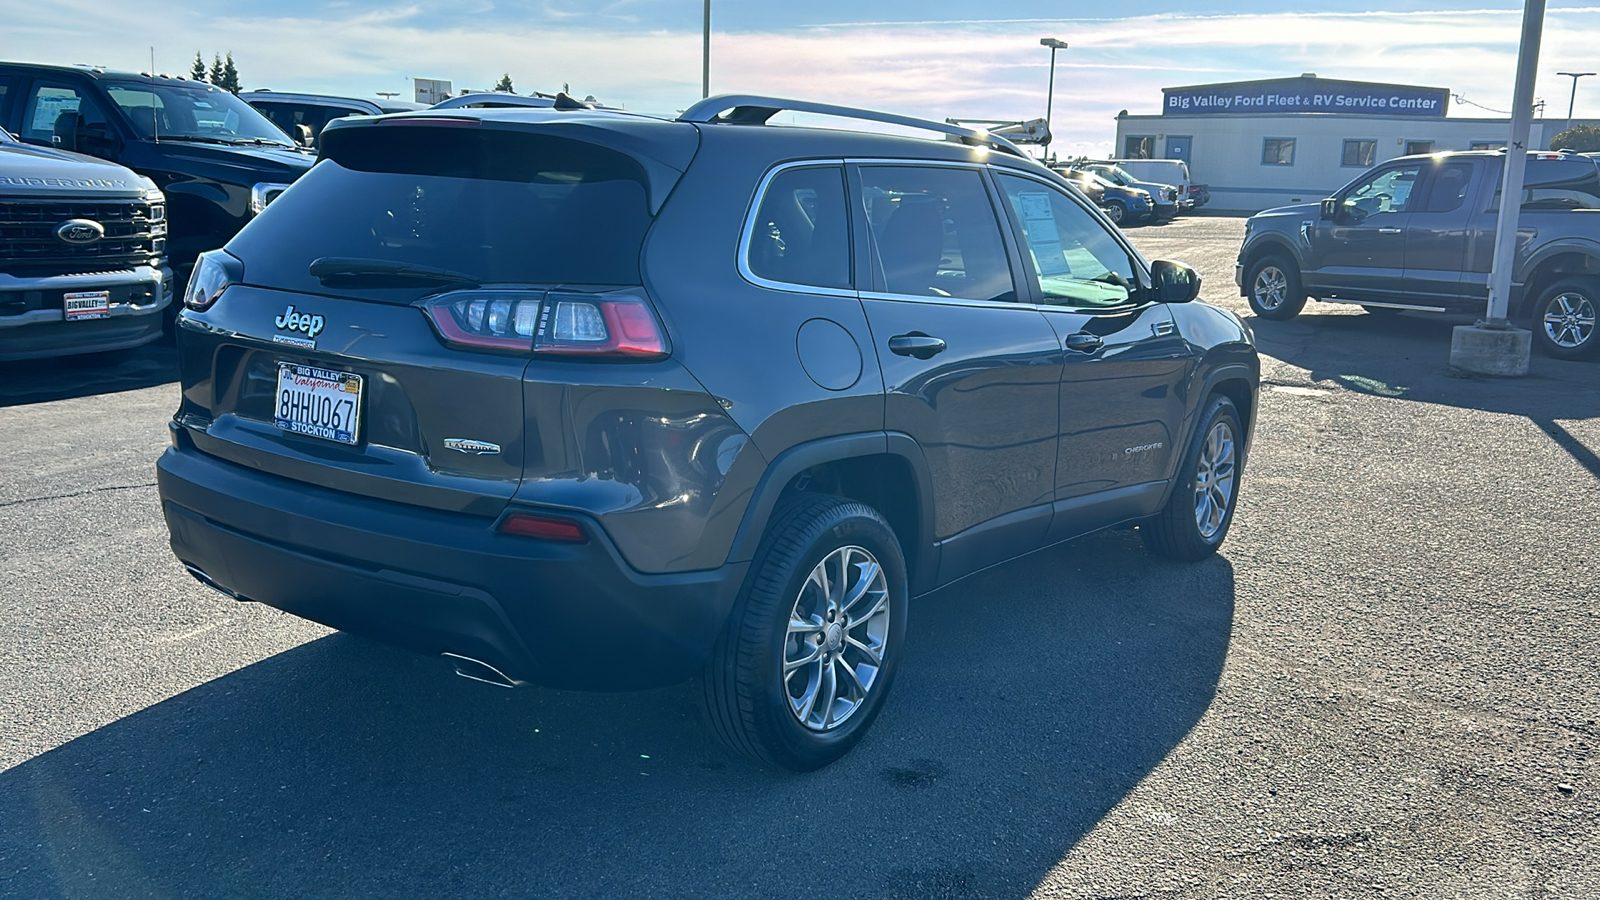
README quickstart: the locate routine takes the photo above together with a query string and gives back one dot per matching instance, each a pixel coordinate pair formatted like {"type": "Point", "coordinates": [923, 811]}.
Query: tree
{"type": "Point", "coordinates": [198, 73]}
{"type": "Point", "coordinates": [216, 69]}
{"type": "Point", "coordinates": [504, 84]}
{"type": "Point", "coordinates": [230, 76]}
{"type": "Point", "coordinates": [1582, 138]}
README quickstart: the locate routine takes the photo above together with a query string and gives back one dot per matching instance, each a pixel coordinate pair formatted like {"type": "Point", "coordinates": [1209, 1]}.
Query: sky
{"type": "Point", "coordinates": [928, 58]}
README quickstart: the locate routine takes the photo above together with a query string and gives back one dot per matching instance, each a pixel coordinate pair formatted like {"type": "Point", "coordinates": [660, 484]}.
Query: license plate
{"type": "Point", "coordinates": [318, 402]}
{"type": "Point", "coordinates": [86, 305]}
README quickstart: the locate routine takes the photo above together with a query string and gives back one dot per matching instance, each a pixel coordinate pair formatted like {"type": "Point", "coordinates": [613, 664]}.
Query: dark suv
{"type": "Point", "coordinates": [600, 400]}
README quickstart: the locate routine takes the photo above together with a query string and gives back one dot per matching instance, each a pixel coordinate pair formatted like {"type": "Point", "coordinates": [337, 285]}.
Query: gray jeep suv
{"type": "Point", "coordinates": [600, 400]}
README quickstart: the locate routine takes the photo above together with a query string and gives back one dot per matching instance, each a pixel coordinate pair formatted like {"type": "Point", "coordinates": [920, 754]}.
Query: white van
{"type": "Point", "coordinates": [1162, 171]}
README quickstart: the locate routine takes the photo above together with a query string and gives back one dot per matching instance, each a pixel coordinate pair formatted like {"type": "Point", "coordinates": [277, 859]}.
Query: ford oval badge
{"type": "Point", "coordinates": [80, 231]}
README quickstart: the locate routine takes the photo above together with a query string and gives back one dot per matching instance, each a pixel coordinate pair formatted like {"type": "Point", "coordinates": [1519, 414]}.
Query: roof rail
{"type": "Point", "coordinates": [749, 109]}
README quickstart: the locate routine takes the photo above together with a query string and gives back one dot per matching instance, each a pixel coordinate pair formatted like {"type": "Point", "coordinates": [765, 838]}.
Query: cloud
{"type": "Point", "coordinates": [967, 69]}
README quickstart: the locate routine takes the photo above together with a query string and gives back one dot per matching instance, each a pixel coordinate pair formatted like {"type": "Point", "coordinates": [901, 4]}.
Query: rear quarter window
{"type": "Point", "coordinates": [800, 233]}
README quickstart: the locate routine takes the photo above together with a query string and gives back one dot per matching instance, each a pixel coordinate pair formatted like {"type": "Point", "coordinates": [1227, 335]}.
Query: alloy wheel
{"type": "Point", "coordinates": [1569, 319]}
{"type": "Point", "coordinates": [838, 633]}
{"type": "Point", "coordinates": [1271, 287]}
{"type": "Point", "coordinates": [1214, 480]}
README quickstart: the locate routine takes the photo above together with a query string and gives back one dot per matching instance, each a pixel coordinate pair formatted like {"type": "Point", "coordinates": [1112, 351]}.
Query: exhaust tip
{"type": "Point", "coordinates": [478, 670]}
{"type": "Point", "coordinates": [203, 578]}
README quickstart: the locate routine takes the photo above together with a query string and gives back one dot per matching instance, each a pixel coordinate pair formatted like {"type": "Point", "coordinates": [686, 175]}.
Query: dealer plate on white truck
{"type": "Point", "coordinates": [80, 305]}
{"type": "Point", "coordinates": [319, 402]}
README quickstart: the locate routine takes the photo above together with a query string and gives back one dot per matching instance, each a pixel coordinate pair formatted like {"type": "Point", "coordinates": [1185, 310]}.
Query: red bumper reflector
{"type": "Point", "coordinates": [549, 528]}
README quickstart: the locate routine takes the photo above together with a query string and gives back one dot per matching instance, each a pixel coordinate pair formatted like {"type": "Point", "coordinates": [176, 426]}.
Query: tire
{"type": "Point", "coordinates": [1192, 525]}
{"type": "Point", "coordinates": [1273, 288]}
{"type": "Point", "coordinates": [1564, 319]}
{"type": "Point", "coordinates": [1116, 211]}
{"type": "Point", "coordinates": [753, 706]}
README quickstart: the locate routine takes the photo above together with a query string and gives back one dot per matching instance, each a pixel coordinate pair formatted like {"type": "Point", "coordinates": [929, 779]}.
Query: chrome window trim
{"type": "Point", "coordinates": [748, 232]}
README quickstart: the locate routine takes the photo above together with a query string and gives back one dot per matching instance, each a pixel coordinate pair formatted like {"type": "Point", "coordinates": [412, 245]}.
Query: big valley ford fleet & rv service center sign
{"type": "Point", "coordinates": [1306, 95]}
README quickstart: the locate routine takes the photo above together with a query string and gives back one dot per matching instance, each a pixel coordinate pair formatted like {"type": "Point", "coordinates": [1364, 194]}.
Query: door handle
{"type": "Point", "coordinates": [1084, 342]}
{"type": "Point", "coordinates": [1389, 230]}
{"type": "Point", "coordinates": [916, 344]}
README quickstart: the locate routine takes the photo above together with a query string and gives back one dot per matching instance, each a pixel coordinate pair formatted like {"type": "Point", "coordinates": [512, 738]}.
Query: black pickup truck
{"type": "Point", "coordinates": [1417, 233]}
{"type": "Point", "coordinates": [217, 159]}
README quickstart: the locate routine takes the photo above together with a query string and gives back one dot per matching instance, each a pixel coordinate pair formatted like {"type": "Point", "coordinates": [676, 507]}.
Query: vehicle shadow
{"type": "Point", "coordinates": [65, 377]}
{"type": "Point", "coordinates": [1408, 357]}
{"type": "Point", "coordinates": [1032, 699]}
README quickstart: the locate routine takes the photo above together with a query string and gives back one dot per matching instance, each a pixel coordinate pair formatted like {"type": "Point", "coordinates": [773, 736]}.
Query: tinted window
{"type": "Point", "coordinates": [1448, 191]}
{"type": "Point", "coordinates": [287, 115]}
{"type": "Point", "coordinates": [505, 207]}
{"type": "Point", "coordinates": [935, 234]}
{"type": "Point", "coordinates": [1381, 192]}
{"type": "Point", "coordinates": [1561, 184]}
{"type": "Point", "coordinates": [1076, 260]}
{"type": "Point", "coordinates": [801, 234]}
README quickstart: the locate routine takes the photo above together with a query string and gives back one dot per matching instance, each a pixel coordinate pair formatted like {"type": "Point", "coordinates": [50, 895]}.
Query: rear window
{"type": "Point", "coordinates": [501, 206]}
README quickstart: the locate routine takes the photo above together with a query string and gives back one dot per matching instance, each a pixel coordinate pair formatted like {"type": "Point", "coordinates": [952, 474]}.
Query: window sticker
{"type": "Point", "coordinates": [1039, 221]}
{"type": "Point", "coordinates": [47, 109]}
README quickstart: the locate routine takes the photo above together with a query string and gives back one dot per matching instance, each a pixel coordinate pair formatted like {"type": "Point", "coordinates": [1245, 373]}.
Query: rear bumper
{"type": "Point", "coordinates": [137, 299]}
{"type": "Point", "coordinates": [563, 615]}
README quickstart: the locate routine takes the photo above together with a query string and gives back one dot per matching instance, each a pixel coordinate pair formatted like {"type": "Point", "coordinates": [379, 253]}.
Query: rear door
{"type": "Point", "coordinates": [1360, 253]}
{"type": "Point", "coordinates": [1124, 360]}
{"type": "Point", "coordinates": [1436, 237]}
{"type": "Point", "coordinates": [969, 371]}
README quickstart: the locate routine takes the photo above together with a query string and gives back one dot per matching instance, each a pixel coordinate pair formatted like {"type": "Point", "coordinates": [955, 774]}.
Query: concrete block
{"type": "Point", "coordinates": [1491, 351]}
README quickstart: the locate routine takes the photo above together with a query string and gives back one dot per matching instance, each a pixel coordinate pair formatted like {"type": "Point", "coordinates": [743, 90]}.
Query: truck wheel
{"type": "Point", "coordinates": [815, 638]}
{"type": "Point", "coordinates": [1564, 318]}
{"type": "Point", "coordinates": [1198, 513]}
{"type": "Point", "coordinates": [1116, 211]}
{"type": "Point", "coordinates": [1273, 286]}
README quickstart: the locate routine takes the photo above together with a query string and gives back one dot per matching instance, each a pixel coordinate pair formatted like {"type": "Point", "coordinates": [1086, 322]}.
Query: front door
{"type": "Point", "coordinates": [1360, 253]}
{"type": "Point", "coordinates": [1123, 364]}
{"type": "Point", "coordinates": [969, 372]}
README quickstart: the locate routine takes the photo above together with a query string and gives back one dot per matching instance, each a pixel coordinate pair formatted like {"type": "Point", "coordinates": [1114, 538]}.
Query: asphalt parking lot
{"type": "Point", "coordinates": [1384, 686]}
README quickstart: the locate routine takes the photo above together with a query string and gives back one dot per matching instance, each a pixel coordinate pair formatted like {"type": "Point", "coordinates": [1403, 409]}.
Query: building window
{"type": "Point", "coordinates": [1277, 152]}
{"type": "Point", "coordinates": [1487, 145]}
{"type": "Point", "coordinates": [1361, 154]}
{"type": "Point", "coordinates": [1415, 147]}
{"type": "Point", "coordinates": [1139, 146]}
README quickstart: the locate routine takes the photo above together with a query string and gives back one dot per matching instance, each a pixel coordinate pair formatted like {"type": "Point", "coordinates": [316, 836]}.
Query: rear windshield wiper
{"type": "Point", "coordinates": [340, 271]}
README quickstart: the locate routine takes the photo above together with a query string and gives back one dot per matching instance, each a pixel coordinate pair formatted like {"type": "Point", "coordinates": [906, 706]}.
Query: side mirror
{"type": "Point", "coordinates": [1330, 208]}
{"type": "Point", "coordinates": [1175, 282]}
{"type": "Point", "coordinates": [303, 136]}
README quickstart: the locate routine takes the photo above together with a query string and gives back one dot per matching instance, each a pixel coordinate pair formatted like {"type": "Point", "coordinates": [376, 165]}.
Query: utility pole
{"type": "Point", "coordinates": [705, 55]}
{"type": "Point", "coordinates": [1573, 99]}
{"type": "Point", "coordinates": [1050, 93]}
{"type": "Point", "coordinates": [1493, 346]}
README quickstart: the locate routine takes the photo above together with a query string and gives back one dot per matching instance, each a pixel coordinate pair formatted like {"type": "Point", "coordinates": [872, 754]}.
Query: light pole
{"type": "Point", "coordinates": [705, 55]}
{"type": "Point", "coordinates": [1570, 100]}
{"type": "Point", "coordinates": [1050, 94]}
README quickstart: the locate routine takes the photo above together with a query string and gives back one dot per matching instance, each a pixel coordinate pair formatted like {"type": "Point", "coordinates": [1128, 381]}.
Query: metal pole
{"type": "Point", "coordinates": [705, 55]}
{"type": "Point", "coordinates": [1050, 104]}
{"type": "Point", "coordinates": [1574, 98]}
{"type": "Point", "coordinates": [1505, 236]}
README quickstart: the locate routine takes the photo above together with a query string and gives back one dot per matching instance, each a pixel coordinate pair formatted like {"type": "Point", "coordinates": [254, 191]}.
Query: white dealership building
{"type": "Point", "coordinates": [1259, 144]}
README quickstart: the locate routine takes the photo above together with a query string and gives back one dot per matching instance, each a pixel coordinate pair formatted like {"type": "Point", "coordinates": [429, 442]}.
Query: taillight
{"type": "Point", "coordinates": [214, 271]}
{"type": "Point", "coordinates": [486, 319]}
{"type": "Point", "coordinates": [549, 528]}
{"type": "Point", "coordinates": [619, 324]}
